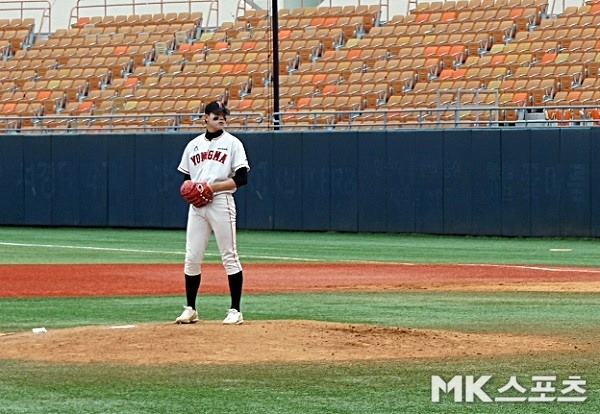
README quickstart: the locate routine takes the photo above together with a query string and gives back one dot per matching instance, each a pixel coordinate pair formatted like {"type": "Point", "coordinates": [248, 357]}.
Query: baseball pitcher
{"type": "Point", "coordinates": [214, 165]}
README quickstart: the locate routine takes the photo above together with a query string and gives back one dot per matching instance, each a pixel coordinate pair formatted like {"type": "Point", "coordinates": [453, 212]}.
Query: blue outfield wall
{"type": "Point", "coordinates": [509, 182]}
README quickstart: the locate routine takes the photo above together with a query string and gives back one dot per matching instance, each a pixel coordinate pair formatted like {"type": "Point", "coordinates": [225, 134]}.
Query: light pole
{"type": "Point", "coordinates": [275, 74]}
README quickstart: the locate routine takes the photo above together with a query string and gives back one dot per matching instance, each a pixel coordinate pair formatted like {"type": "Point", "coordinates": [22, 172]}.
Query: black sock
{"type": "Point", "coordinates": [192, 284]}
{"type": "Point", "coordinates": [235, 289]}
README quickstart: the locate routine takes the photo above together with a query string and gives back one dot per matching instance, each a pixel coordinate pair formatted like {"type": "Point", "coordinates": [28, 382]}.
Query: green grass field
{"type": "Point", "coordinates": [396, 386]}
{"type": "Point", "coordinates": [72, 245]}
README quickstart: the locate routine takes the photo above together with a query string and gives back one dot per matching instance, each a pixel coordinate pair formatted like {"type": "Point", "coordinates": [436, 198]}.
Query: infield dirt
{"type": "Point", "coordinates": [282, 341]}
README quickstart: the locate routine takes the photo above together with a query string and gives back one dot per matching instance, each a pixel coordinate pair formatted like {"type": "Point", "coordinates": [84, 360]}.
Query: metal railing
{"type": "Point", "coordinates": [87, 8]}
{"type": "Point", "coordinates": [466, 116]}
{"type": "Point", "coordinates": [420, 118]}
{"type": "Point", "coordinates": [384, 5]}
{"type": "Point", "coordinates": [39, 10]}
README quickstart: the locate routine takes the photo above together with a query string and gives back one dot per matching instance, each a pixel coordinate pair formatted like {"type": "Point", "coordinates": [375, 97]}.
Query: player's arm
{"type": "Point", "coordinates": [239, 179]}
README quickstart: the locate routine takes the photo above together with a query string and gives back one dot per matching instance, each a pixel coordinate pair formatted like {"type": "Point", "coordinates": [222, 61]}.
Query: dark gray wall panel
{"type": "Point", "coordinates": [93, 174]}
{"type": "Point", "coordinates": [260, 188]}
{"type": "Point", "coordinates": [38, 180]}
{"type": "Point", "coordinates": [458, 174]}
{"type": "Point", "coordinates": [67, 180]}
{"type": "Point", "coordinates": [545, 191]}
{"type": "Point", "coordinates": [148, 180]}
{"type": "Point", "coordinates": [344, 181]}
{"type": "Point", "coordinates": [429, 179]}
{"type": "Point", "coordinates": [174, 208]}
{"type": "Point", "coordinates": [11, 180]}
{"type": "Point", "coordinates": [401, 189]}
{"type": "Point", "coordinates": [287, 174]}
{"type": "Point", "coordinates": [487, 182]}
{"type": "Point", "coordinates": [372, 181]}
{"type": "Point", "coordinates": [575, 177]}
{"type": "Point", "coordinates": [595, 182]}
{"type": "Point", "coordinates": [122, 202]}
{"type": "Point", "coordinates": [516, 184]}
{"type": "Point", "coordinates": [316, 182]}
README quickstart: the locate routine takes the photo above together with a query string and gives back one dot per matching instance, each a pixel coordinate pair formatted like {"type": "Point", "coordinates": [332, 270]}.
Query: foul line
{"type": "Point", "coordinates": [113, 249]}
{"type": "Point", "coordinates": [304, 259]}
{"type": "Point", "coordinates": [544, 269]}
{"type": "Point", "coordinates": [66, 246]}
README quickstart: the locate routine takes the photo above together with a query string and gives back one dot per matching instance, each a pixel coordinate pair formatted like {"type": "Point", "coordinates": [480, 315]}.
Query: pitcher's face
{"type": "Point", "coordinates": [215, 122]}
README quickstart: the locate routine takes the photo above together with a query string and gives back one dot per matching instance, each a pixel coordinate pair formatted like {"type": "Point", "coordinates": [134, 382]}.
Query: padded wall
{"type": "Point", "coordinates": [512, 181]}
{"type": "Point", "coordinates": [516, 190]}
{"type": "Point", "coordinates": [38, 184]}
{"type": "Point", "coordinates": [12, 177]}
{"type": "Point", "coordinates": [595, 182]}
{"type": "Point", "coordinates": [401, 193]}
{"type": "Point", "coordinates": [544, 176]}
{"type": "Point", "coordinates": [372, 181]}
{"type": "Point", "coordinates": [316, 180]}
{"type": "Point", "coordinates": [575, 196]}
{"type": "Point", "coordinates": [287, 179]}
{"type": "Point", "coordinates": [458, 182]}
{"type": "Point", "coordinates": [486, 182]}
{"type": "Point", "coordinates": [260, 191]}
{"type": "Point", "coordinates": [121, 175]}
{"type": "Point", "coordinates": [172, 204]}
{"type": "Point", "coordinates": [344, 170]}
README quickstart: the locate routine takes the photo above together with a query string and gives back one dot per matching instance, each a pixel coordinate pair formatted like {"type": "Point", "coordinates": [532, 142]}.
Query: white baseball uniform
{"type": "Point", "coordinates": [211, 161]}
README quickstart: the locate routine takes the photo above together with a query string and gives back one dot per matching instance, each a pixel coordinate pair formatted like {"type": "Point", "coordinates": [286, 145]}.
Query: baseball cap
{"type": "Point", "coordinates": [217, 108]}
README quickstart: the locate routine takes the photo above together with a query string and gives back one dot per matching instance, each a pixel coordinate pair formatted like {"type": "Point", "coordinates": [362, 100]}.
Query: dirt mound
{"type": "Point", "coordinates": [261, 341]}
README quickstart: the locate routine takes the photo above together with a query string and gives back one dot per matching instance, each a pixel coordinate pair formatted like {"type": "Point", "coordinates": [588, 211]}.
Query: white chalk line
{"type": "Point", "coordinates": [304, 259]}
{"type": "Point", "coordinates": [66, 246]}
{"type": "Point", "coordinates": [544, 269]}
{"type": "Point", "coordinates": [121, 250]}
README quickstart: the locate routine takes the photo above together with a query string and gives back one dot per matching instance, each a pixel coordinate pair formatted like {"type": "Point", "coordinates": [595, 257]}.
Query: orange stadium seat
{"type": "Point", "coordinates": [325, 51]}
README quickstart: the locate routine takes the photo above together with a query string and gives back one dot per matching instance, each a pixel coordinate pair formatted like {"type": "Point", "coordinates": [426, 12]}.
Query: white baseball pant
{"type": "Point", "coordinates": [218, 217]}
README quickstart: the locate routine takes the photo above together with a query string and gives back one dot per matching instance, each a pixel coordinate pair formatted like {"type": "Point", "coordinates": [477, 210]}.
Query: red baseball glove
{"type": "Point", "coordinates": [197, 194]}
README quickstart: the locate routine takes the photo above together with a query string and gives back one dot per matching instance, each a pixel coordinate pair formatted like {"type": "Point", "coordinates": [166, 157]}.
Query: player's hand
{"type": "Point", "coordinates": [197, 194]}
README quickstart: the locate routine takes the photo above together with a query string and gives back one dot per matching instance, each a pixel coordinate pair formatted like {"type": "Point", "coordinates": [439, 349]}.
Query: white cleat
{"type": "Point", "coordinates": [233, 317]}
{"type": "Point", "coordinates": [188, 315]}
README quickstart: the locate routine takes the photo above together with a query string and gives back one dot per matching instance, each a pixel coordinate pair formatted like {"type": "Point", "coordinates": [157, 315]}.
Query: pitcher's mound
{"type": "Point", "coordinates": [260, 341]}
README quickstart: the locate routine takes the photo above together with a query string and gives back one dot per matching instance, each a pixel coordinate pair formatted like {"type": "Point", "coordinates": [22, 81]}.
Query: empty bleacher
{"type": "Point", "coordinates": [453, 63]}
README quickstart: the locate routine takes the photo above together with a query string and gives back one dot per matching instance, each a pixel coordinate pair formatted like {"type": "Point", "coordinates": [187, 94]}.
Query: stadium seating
{"type": "Point", "coordinates": [442, 62]}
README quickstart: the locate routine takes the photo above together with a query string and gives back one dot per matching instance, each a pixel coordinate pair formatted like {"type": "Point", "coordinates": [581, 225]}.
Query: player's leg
{"type": "Point", "coordinates": [197, 236]}
{"type": "Point", "coordinates": [222, 215]}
